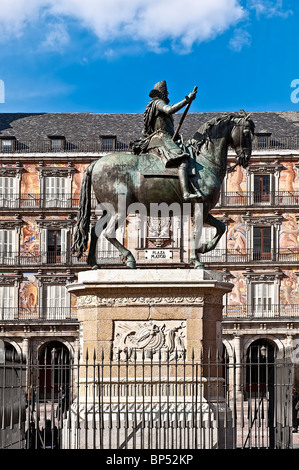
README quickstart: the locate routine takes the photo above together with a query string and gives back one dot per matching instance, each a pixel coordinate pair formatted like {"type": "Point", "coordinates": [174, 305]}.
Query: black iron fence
{"type": "Point", "coordinates": [144, 403]}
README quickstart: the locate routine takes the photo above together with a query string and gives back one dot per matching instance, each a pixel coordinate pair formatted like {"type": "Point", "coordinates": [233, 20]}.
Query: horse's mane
{"type": "Point", "coordinates": [205, 131]}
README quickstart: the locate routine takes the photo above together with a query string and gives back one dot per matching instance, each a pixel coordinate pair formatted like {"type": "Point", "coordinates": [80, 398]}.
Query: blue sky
{"type": "Point", "coordinates": [104, 56]}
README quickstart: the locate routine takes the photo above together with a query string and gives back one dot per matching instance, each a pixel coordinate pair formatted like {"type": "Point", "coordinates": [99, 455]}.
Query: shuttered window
{"type": "Point", "coordinates": [56, 192]}
{"type": "Point", "coordinates": [55, 302]}
{"type": "Point", "coordinates": [7, 246]}
{"type": "Point", "coordinates": [7, 302]}
{"type": "Point", "coordinates": [263, 298]}
{"type": "Point", "coordinates": [8, 196]}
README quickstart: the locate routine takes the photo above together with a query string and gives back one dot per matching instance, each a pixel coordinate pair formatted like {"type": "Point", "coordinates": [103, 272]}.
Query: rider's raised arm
{"type": "Point", "coordinates": [171, 109]}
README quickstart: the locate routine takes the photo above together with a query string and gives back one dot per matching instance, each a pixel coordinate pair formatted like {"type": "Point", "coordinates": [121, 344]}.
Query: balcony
{"type": "Point", "coordinates": [248, 312]}
{"type": "Point", "coordinates": [15, 314]}
{"type": "Point", "coordinates": [82, 146]}
{"type": "Point", "coordinates": [37, 201]}
{"type": "Point", "coordinates": [48, 258]}
{"type": "Point", "coordinates": [227, 256]}
{"type": "Point", "coordinates": [250, 198]}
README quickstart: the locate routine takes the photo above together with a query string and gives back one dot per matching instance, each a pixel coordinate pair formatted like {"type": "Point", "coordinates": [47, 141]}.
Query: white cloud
{"type": "Point", "coordinates": [240, 39]}
{"type": "Point", "coordinates": [57, 37]}
{"type": "Point", "coordinates": [152, 22]}
{"type": "Point", "coordinates": [269, 8]}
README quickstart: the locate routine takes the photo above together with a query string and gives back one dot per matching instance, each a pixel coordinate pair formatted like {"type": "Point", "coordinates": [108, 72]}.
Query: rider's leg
{"type": "Point", "coordinates": [184, 182]}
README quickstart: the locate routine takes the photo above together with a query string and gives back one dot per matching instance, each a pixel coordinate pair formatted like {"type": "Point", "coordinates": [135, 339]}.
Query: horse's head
{"type": "Point", "coordinates": [241, 138]}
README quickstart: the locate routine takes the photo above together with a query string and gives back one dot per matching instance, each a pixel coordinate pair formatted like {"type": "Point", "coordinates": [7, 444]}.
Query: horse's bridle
{"type": "Point", "coordinates": [242, 150]}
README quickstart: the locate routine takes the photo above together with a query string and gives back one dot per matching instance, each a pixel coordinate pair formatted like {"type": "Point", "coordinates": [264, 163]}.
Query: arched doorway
{"type": "Point", "coordinates": [260, 380]}
{"type": "Point", "coordinates": [259, 367]}
{"type": "Point", "coordinates": [54, 370]}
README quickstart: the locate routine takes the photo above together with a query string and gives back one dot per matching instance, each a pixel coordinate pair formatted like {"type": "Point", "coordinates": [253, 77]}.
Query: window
{"type": "Point", "coordinates": [55, 194]}
{"type": "Point", "coordinates": [262, 243]}
{"type": "Point", "coordinates": [107, 143]}
{"type": "Point", "coordinates": [7, 302]}
{"type": "Point", "coordinates": [56, 302]}
{"type": "Point", "coordinates": [7, 145]}
{"type": "Point", "coordinates": [54, 246]}
{"type": "Point", "coordinates": [263, 139]}
{"type": "Point", "coordinates": [262, 188]}
{"type": "Point", "coordinates": [57, 143]}
{"type": "Point", "coordinates": [8, 194]}
{"type": "Point", "coordinates": [262, 299]}
{"type": "Point", "coordinates": [7, 247]}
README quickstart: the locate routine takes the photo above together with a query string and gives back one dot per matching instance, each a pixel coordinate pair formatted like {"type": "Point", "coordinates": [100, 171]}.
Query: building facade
{"type": "Point", "coordinates": [43, 158]}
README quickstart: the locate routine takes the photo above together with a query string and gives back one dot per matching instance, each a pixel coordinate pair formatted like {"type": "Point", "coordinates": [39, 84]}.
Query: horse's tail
{"type": "Point", "coordinates": [83, 215]}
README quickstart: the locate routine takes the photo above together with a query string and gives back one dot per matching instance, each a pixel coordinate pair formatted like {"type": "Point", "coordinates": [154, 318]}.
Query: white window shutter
{"type": "Point", "coordinates": [7, 302]}
{"type": "Point", "coordinates": [64, 245]}
{"type": "Point", "coordinates": [43, 245]}
{"type": "Point", "coordinates": [56, 302]}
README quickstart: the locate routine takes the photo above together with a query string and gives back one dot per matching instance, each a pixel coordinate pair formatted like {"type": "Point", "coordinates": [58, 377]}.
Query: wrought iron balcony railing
{"type": "Point", "coordinates": [19, 314]}
{"type": "Point", "coordinates": [38, 201]}
{"type": "Point", "coordinates": [250, 198]}
{"type": "Point", "coordinates": [81, 146]}
{"type": "Point", "coordinates": [114, 145]}
{"type": "Point", "coordinates": [283, 255]}
{"type": "Point", "coordinates": [67, 201]}
{"type": "Point", "coordinates": [35, 258]}
{"type": "Point", "coordinates": [242, 311]}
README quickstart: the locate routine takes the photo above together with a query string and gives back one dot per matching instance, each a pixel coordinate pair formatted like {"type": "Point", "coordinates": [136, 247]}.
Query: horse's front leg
{"type": "Point", "coordinates": [220, 230]}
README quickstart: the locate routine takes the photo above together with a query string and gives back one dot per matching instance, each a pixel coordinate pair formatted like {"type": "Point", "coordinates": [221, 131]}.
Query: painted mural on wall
{"type": "Point", "coordinates": [28, 295]}
{"type": "Point", "coordinates": [30, 180]}
{"type": "Point", "coordinates": [289, 234]}
{"type": "Point", "coordinates": [77, 179]}
{"type": "Point", "coordinates": [238, 295]}
{"type": "Point", "coordinates": [289, 180]}
{"type": "Point", "coordinates": [236, 181]}
{"type": "Point", "coordinates": [289, 289]}
{"type": "Point", "coordinates": [29, 237]}
{"type": "Point", "coordinates": [236, 235]}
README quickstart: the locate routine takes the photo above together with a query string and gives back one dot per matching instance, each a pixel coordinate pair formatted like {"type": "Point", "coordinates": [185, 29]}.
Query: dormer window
{"type": "Point", "coordinates": [107, 142]}
{"type": "Point", "coordinates": [7, 144]}
{"type": "Point", "coordinates": [57, 143]}
{"type": "Point", "coordinates": [263, 139]}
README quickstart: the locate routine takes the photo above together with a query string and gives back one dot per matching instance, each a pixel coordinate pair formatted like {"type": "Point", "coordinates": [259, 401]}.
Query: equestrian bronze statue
{"type": "Point", "coordinates": [191, 172]}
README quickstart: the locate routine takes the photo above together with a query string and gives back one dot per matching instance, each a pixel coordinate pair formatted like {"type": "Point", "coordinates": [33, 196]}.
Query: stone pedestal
{"type": "Point", "coordinates": [163, 326]}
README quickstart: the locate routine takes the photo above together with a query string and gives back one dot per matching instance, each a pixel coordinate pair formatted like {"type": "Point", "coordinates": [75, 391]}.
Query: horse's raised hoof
{"type": "Point", "coordinates": [130, 261]}
{"type": "Point", "coordinates": [131, 264]}
{"type": "Point", "coordinates": [199, 265]}
{"type": "Point", "coordinates": [95, 266]}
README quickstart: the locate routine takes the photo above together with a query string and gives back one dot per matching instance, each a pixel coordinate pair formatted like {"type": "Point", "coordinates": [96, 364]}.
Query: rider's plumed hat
{"type": "Point", "coordinates": [159, 90]}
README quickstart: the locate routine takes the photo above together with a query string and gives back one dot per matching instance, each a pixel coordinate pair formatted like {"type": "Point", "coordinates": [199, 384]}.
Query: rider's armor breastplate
{"type": "Point", "coordinates": [164, 123]}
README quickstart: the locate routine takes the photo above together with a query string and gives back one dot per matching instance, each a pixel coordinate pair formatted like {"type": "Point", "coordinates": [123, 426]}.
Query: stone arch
{"type": "Point", "coordinates": [13, 346]}
{"type": "Point", "coordinates": [42, 343]}
{"type": "Point", "coordinates": [275, 342]}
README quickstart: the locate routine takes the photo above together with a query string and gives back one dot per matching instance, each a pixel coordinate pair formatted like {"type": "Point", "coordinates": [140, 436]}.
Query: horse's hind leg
{"type": "Point", "coordinates": [91, 257]}
{"type": "Point", "coordinates": [113, 224]}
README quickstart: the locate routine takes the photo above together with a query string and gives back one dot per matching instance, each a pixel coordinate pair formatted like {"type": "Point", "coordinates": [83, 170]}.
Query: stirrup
{"type": "Point", "coordinates": [187, 196]}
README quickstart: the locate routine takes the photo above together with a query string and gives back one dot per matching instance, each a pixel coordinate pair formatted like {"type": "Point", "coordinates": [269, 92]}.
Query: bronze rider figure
{"type": "Point", "coordinates": [159, 131]}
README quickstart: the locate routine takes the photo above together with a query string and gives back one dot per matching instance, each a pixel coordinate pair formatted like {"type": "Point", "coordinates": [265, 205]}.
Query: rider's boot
{"type": "Point", "coordinates": [183, 178]}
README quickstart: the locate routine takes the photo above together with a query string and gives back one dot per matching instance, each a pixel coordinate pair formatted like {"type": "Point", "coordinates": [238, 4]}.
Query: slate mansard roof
{"type": "Point", "coordinates": [89, 126]}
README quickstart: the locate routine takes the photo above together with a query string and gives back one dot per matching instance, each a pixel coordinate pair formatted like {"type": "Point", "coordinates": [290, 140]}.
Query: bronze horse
{"type": "Point", "coordinates": [127, 175]}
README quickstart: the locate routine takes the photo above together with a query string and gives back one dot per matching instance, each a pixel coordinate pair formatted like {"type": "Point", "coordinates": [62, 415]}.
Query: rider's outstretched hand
{"type": "Point", "coordinates": [192, 95]}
